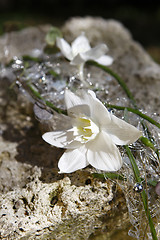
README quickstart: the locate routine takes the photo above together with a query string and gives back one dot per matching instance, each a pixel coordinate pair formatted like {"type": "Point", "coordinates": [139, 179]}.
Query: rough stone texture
{"type": "Point", "coordinates": [36, 202]}
{"type": "Point", "coordinates": [38, 206]}
{"type": "Point", "coordinates": [131, 62]}
{"type": "Point", "coordinates": [21, 43]}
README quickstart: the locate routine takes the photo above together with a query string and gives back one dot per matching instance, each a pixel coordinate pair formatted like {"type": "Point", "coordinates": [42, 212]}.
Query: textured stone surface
{"type": "Point", "coordinates": [21, 43]}
{"type": "Point", "coordinates": [35, 201]}
{"type": "Point", "coordinates": [131, 61]}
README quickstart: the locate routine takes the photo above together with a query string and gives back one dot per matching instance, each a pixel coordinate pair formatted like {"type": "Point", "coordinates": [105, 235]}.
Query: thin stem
{"type": "Point", "coordinates": [143, 194]}
{"type": "Point", "coordinates": [81, 71]}
{"type": "Point", "coordinates": [81, 75]}
{"type": "Point", "coordinates": [137, 112]}
{"type": "Point", "coordinates": [125, 88]}
{"type": "Point", "coordinates": [37, 95]}
{"type": "Point", "coordinates": [49, 104]}
{"type": "Point", "coordinates": [134, 165]}
{"type": "Point", "coordinates": [119, 80]}
{"type": "Point", "coordinates": [133, 162]}
{"type": "Point", "coordinates": [147, 142]}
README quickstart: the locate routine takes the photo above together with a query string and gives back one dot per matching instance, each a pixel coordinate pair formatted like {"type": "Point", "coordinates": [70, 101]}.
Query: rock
{"type": "Point", "coordinates": [131, 61]}
{"type": "Point", "coordinates": [21, 43]}
{"type": "Point", "coordinates": [35, 201]}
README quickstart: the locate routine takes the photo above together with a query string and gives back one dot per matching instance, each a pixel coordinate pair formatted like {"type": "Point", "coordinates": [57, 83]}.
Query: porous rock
{"type": "Point", "coordinates": [131, 61]}
{"type": "Point", "coordinates": [35, 201]}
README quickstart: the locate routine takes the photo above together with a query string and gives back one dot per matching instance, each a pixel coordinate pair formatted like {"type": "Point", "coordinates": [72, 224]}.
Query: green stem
{"type": "Point", "coordinates": [127, 91]}
{"type": "Point", "coordinates": [149, 144]}
{"type": "Point", "coordinates": [143, 194]}
{"type": "Point", "coordinates": [125, 88]}
{"type": "Point", "coordinates": [133, 162]}
{"type": "Point", "coordinates": [134, 165]}
{"type": "Point", "coordinates": [49, 104]}
{"type": "Point", "coordinates": [119, 80]}
{"type": "Point", "coordinates": [150, 141]}
{"type": "Point", "coordinates": [137, 112]}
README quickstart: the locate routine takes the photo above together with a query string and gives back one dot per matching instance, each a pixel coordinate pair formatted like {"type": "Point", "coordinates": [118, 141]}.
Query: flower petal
{"type": "Point", "coordinates": [121, 132]}
{"type": "Point", "coordinates": [72, 99]}
{"type": "Point", "coordinates": [79, 101]}
{"type": "Point", "coordinates": [95, 109]}
{"type": "Point", "coordinates": [79, 110]}
{"type": "Point", "coordinates": [64, 47]}
{"type": "Point", "coordinates": [103, 154]}
{"type": "Point", "coordinates": [91, 93]}
{"type": "Point", "coordinates": [98, 111]}
{"type": "Point", "coordinates": [61, 139]}
{"type": "Point", "coordinates": [95, 52]}
{"type": "Point", "coordinates": [78, 60]}
{"type": "Point", "coordinates": [105, 60]}
{"type": "Point", "coordinates": [92, 54]}
{"type": "Point", "coordinates": [80, 44]}
{"type": "Point", "coordinates": [73, 160]}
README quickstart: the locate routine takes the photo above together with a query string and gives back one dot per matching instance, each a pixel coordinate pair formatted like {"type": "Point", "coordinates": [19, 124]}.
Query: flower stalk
{"type": "Point", "coordinates": [80, 51]}
{"type": "Point", "coordinates": [36, 95]}
{"type": "Point", "coordinates": [119, 80]}
{"type": "Point", "coordinates": [143, 193]}
{"type": "Point", "coordinates": [136, 111]}
{"type": "Point", "coordinates": [91, 139]}
{"type": "Point", "coordinates": [130, 96]}
{"type": "Point", "coordinates": [129, 153]}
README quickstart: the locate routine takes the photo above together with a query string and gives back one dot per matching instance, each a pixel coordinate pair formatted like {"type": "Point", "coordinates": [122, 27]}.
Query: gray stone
{"type": "Point", "coordinates": [30, 40]}
{"type": "Point", "coordinates": [35, 201]}
{"type": "Point", "coordinates": [131, 61]}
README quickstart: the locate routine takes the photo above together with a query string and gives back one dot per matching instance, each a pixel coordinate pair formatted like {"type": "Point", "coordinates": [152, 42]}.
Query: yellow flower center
{"type": "Point", "coordinates": [85, 129]}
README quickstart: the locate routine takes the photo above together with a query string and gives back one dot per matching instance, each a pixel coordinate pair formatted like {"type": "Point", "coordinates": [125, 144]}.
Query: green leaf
{"type": "Point", "coordinates": [53, 73]}
{"type": "Point", "coordinates": [48, 49]}
{"type": "Point", "coordinates": [51, 36]}
{"type": "Point", "coordinates": [147, 142]}
{"type": "Point", "coordinates": [143, 194]}
{"type": "Point", "coordinates": [33, 91]}
{"type": "Point", "coordinates": [135, 111]}
{"type": "Point", "coordinates": [30, 58]}
{"type": "Point", "coordinates": [152, 182]}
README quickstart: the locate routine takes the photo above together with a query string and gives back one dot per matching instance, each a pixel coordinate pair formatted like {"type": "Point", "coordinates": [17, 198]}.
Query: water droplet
{"type": "Point", "coordinates": [138, 187]}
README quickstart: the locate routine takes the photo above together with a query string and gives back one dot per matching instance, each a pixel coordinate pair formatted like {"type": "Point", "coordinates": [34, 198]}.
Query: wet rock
{"type": "Point", "coordinates": [131, 61]}
{"type": "Point", "coordinates": [35, 201]}
{"type": "Point", "coordinates": [21, 43]}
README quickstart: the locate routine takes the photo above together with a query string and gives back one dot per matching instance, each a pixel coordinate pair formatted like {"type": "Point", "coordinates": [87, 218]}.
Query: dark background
{"type": "Point", "coordinates": [142, 18]}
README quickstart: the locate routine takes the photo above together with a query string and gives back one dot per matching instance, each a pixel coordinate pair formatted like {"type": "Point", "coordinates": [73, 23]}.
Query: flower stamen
{"type": "Point", "coordinates": [85, 129]}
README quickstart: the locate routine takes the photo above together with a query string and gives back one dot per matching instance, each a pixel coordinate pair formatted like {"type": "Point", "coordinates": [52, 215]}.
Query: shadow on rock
{"type": "Point", "coordinates": [31, 148]}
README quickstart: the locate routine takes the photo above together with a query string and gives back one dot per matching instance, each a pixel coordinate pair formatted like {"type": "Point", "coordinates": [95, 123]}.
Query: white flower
{"type": "Point", "coordinates": [93, 136]}
{"type": "Point", "coordinates": [80, 51]}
